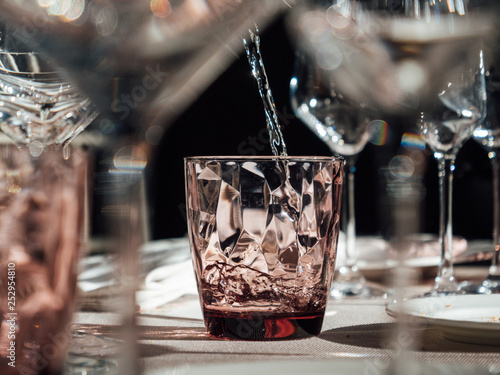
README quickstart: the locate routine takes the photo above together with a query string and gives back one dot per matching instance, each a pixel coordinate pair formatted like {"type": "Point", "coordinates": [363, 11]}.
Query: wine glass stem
{"type": "Point", "coordinates": [351, 253]}
{"type": "Point", "coordinates": [446, 166]}
{"type": "Point", "coordinates": [495, 167]}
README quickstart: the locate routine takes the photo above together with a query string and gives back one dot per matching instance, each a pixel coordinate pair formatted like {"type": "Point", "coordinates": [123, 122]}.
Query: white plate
{"type": "Point", "coordinates": [465, 318]}
{"type": "Point", "coordinates": [312, 366]}
{"type": "Point", "coordinates": [376, 256]}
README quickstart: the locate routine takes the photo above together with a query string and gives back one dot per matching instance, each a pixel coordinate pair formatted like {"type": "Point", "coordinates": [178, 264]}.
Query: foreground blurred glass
{"type": "Point", "coordinates": [141, 61]}
{"type": "Point", "coordinates": [263, 234]}
{"type": "Point", "coordinates": [394, 56]}
{"type": "Point", "coordinates": [42, 225]}
{"type": "Point", "coordinates": [36, 103]}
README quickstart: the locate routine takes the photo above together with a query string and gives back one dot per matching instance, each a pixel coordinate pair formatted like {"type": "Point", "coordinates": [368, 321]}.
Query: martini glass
{"type": "Point", "coordinates": [346, 129]}
{"type": "Point", "coordinates": [143, 61]}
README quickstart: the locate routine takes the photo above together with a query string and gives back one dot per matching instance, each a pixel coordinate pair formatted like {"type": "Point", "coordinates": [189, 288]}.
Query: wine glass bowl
{"type": "Point", "coordinates": [460, 106]}
{"type": "Point", "coordinates": [406, 58]}
{"type": "Point", "coordinates": [337, 122]}
{"type": "Point", "coordinates": [37, 105]}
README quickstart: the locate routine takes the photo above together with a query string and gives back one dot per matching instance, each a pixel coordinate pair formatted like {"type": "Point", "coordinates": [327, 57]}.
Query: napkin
{"type": "Point", "coordinates": [165, 274]}
{"type": "Point", "coordinates": [166, 284]}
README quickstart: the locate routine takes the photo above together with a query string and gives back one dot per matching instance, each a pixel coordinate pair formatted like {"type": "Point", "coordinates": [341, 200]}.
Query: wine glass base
{"type": "Point", "coordinates": [78, 365]}
{"type": "Point", "coordinates": [444, 286]}
{"type": "Point", "coordinates": [343, 290]}
{"type": "Point", "coordinates": [92, 354]}
{"type": "Point", "coordinates": [351, 284]}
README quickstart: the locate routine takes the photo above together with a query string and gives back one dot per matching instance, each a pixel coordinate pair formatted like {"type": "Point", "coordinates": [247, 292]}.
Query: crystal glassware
{"type": "Point", "coordinates": [449, 122]}
{"type": "Point", "coordinates": [39, 106]}
{"type": "Point", "coordinates": [263, 234]}
{"type": "Point", "coordinates": [346, 128]}
{"type": "Point", "coordinates": [395, 57]}
{"type": "Point", "coordinates": [42, 236]}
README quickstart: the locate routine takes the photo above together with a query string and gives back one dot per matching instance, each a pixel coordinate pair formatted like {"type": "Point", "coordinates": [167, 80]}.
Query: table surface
{"type": "Point", "coordinates": [357, 337]}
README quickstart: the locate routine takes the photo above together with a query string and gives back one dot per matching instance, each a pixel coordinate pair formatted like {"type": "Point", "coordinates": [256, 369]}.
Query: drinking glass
{"type": "Point", "coordinates": [450, 121]}
{"type": "Point", "coordinates": [263, 233]}
{"type": "Point", "coordinates": [42, 236]}
{"type": "Point", "coordinates": [346, 129]}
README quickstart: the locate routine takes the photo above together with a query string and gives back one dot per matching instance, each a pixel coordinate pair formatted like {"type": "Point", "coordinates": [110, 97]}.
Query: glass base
{"type": "Point", "coordinates": [349, 283]}
{"type": "Point", "coordinates": [78, 365]}
{"type": "Point", "coordinates": [261, 326]}
{"type": "Point", "coordinates": [89, 354]}
{"type": "Point", "coordinates": [444, 286]}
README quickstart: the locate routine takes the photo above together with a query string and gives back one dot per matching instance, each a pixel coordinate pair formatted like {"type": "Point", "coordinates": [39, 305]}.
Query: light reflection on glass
{"type": "Point", "coordinates": [46, 3]}
{"type": "Point", "coordinates": [76, 10]}
{"type": "Point", "coordinates": [411, 140]}
{"type": "Point", "coordinates": [60, 7]}
{"type": "Point", "coordinates": [401, 166]}
{"type": "Point", "coordinates": [161, 8]}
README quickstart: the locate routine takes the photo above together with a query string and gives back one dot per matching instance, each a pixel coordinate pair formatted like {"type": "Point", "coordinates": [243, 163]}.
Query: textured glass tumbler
{"type": "Point", "coordinates": [42, 231]}
{"type": "Point", "coordinates": [263, 234]}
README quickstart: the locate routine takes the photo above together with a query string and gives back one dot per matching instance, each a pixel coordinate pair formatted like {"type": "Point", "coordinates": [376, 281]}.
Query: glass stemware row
{"type": "Point", "coordinates": [411, 58]}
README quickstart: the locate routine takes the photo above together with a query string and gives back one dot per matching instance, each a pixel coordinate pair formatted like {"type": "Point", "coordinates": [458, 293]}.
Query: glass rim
{"type": "Point", "coordinates": [242, 158]}
{"type": "Point", "coordinates": [25, 73]}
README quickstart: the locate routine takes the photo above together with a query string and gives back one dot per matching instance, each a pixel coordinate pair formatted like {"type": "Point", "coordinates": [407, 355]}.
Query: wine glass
{"type": "Point", "coordinates": [458, 109]}
{"type": "Point", "coordinates": [488, 135]}
{"type": "Point", "coordinates": [345, 129]}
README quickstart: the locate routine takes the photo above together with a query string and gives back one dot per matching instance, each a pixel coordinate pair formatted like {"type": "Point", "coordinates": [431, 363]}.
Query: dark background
{"type": "Point", "coordinates": [228, 119]}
